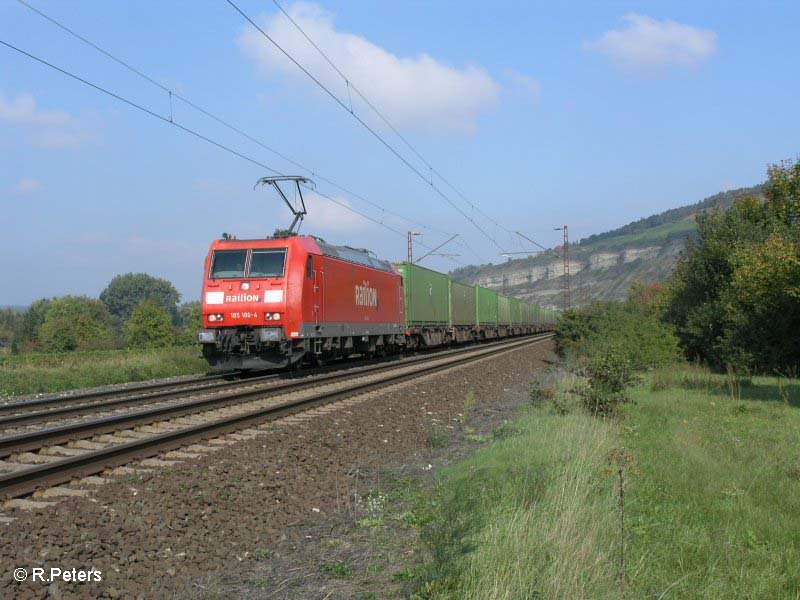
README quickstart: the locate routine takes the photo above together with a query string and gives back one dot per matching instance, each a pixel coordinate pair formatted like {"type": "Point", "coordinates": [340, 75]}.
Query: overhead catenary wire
{"type": "Point", "coordinates": [178, 96]}
{"type": "Point", "coordinates": [364, 124]}
{"type": "Point", "coordinates": [384, 118]}
{"type": "Point", "coordinates": [188, 130]}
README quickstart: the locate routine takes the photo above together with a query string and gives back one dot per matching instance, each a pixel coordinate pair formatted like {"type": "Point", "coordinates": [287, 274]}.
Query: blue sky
{"type": "Point", "coordinates": [586, 113]}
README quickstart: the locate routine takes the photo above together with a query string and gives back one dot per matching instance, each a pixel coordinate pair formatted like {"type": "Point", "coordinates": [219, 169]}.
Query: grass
{"type": "Point", "coordinates": [49, 373]}
{"type": "Point", "coordinates": [712, 497]}
{"type": "Point", "coordinates": [714, 501]}
{"type": "Point", "coordinates": [529, 516]}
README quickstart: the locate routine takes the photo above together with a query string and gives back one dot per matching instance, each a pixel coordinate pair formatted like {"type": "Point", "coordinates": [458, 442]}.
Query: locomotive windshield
{"type": "Point", "coordinates": [267, 263]}
{"type": "Point", "coordinates": [228, 263]}
{"type": "Point", "coordinates": [232, 264]}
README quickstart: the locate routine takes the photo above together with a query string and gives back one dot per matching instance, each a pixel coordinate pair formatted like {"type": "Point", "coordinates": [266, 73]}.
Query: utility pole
{"type": "Point", "coordinates": [565, 254]}
{"type": "Point", "coordinates": [411, 235]}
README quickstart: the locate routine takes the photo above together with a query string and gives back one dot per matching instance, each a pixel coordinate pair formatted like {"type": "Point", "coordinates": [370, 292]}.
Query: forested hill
{"type": "Point", "coordinates": [602, 266]}
{"type": "Point", "coordinates": [723, 199]}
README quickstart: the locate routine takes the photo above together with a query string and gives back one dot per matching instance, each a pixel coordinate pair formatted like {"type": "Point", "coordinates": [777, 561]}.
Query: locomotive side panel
{"type": "Point", "coordinates": [357, 300]}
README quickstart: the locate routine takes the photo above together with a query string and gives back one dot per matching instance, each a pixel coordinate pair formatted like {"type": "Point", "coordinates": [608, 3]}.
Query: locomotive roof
{"type": "Point", "coordinates": [355, 255]}
{"type": "Point", "coordinates": [358, 256]}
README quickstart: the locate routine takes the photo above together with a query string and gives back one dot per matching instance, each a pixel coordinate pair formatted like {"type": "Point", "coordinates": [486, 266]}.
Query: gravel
{"type": "Point", "coordinates": [157, 534]}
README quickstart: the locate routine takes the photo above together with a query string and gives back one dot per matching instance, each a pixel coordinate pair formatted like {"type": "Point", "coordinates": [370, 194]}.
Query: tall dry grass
{"type": "Point", "coordinates": [534, 515]}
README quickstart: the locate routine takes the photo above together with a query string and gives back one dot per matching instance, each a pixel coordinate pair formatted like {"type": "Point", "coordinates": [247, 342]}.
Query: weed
{"type": "Point", "coordinates": [438, 437]}
{"type": "Point", "coordinates": [261, 554]}
{"type": "Point", "coordinates": [505, 431]}
{"type": "Point", "coordinates": [469, 404]}
{"type": "Point", "coordinates": [406, 574]}
{"type": "Point", "coordinates": [338, 569]}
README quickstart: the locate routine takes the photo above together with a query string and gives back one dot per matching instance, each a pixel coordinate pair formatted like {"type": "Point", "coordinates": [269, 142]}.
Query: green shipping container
{"type": "Point", "coordinates": [486, 303]}
{"type": "Point", "coordinates": [462, 304]}
{"type": "Point", "coordinates": [516, 310]}
{"type": "Point", "coordinates": [427, 295]}
{"type": "Point", "coordinates": [503, 310]}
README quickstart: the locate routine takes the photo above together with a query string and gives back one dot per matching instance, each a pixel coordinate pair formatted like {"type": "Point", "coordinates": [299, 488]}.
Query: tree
{"type": "Point", "coordinates": [31, 321]}
{"type": "Point", "coordinates": [9, 319]}
{"type": "Point", "coordinates": [125, 292]}
{"type": "Point", "coordinates": [149, 326]}
{"type": "Point", "coordinates": [75, 323]}
{"type": "Point", "coordinates": [190, 321]}
{"type": "Point", "coordinates": [734, 296]}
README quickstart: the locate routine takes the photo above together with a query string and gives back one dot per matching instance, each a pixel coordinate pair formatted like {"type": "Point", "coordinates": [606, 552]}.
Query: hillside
{"type": "Point", "coordinates": [602, 266]}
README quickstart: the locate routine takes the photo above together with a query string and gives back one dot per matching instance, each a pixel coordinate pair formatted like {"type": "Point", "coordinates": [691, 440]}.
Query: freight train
{"type": "Point", "coordinates": [284, 301]}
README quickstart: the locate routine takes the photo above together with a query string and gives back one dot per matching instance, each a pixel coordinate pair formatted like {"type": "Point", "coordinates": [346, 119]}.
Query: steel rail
{"type": "Point", "coordinates": [30, 440]}
{"type": "Point", "coordinates": [131, 390]}
{"type": "Point", "coordinates": [49, 414]}
{"type": "Point", "coordinates": [25, 481]}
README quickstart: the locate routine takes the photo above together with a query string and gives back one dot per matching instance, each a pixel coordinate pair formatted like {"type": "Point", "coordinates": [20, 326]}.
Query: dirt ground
{"type": "Point", "coordinates": [284, 515]}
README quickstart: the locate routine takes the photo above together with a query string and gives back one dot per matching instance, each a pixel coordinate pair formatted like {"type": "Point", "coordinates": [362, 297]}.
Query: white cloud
{"type": "Point", "coordinates": [646, 44]}
{"type": "Point", "coordinates": [44, 128]}
{"type": "Point", "coordinates": [27, 185]}
{"type": "Point", "coordinates": [330, 217]}
{"type": "Point", "coordinates": [417, 91]}
{"type": "Point", "coordinates": [529, 86]}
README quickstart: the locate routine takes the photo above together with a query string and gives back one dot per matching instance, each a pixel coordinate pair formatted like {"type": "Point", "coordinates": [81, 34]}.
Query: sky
{"type": "Point", "coordinates": [531, 115]}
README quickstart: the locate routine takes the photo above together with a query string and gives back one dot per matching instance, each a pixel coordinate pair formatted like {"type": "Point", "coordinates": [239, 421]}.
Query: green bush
{"type": "Point", "coordinates": [630, 328]}
{"type": "Point", "coordinates": [608, 372]}
{"type": "Point", "coordinates": [75, 323]}
{"type": "Point", "coordinates": [149, 326]}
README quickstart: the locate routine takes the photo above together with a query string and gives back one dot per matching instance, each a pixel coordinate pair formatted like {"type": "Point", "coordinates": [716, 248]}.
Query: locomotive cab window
{"type": "Point", "coordinates": [268, 263]}
{"type": "Point", "coordinates": [228, 264]}
{"type": "Point", "coordinates": [309, 267]}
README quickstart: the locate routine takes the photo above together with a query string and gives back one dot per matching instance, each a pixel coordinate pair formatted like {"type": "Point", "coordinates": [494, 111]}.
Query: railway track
{"type": "Point", "coordinates": [14, 416]}
{"type": "Point", "coordinates": [149, 432]}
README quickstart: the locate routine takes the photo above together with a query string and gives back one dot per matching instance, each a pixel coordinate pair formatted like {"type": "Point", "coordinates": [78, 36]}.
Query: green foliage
{"type": "Point", "coordinates": [31, 321]}
{"type": "Point", "coordinates": [735, 294]}
{"type": "Point", "coordinates": [9, 323]}
{"type": "Point", "coordinates": [39, 372]}
{"type": "Point", "coordinates": [190, 321]}
{"type": "Point", "coordinates": [75, 323]}
{"type": "Point", "coordinates": [125, 292]}
{"type": "Point", "coordinates": [149, 326]}
{"type": "Point", "coordinates": [631, 329]}
{"type": "Point", "coordinates": [608, 372]}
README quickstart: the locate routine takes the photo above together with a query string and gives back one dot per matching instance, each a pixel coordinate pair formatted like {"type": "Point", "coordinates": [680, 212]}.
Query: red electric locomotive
{"type": "Point", "coordinates": [276, 302]}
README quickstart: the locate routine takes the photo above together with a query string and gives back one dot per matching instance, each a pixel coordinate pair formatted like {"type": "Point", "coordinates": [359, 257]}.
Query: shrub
{"type": "Point", "coordinates": [75, 323]}
{"type": "Point", "coordinates": [149, 326]}
{"type": "Point", "coordinates": [608, 372]}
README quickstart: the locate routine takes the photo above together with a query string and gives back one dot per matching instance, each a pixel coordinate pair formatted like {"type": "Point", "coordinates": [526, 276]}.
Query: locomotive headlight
{"type": "Point", "coordinates": [212, 318]}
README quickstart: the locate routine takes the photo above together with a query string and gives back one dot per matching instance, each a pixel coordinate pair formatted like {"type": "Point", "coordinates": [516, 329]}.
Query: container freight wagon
{"type": "Point", "coordinates": [503, 315]}
{"type": "Point", "coordinates": [516, 315]}
{"type": "Point", "coordinates": [427, 303]}
{"type": "Point", "coordinates": [463, 312]}
{"type": "Point", "coordinates": [486, 309]}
